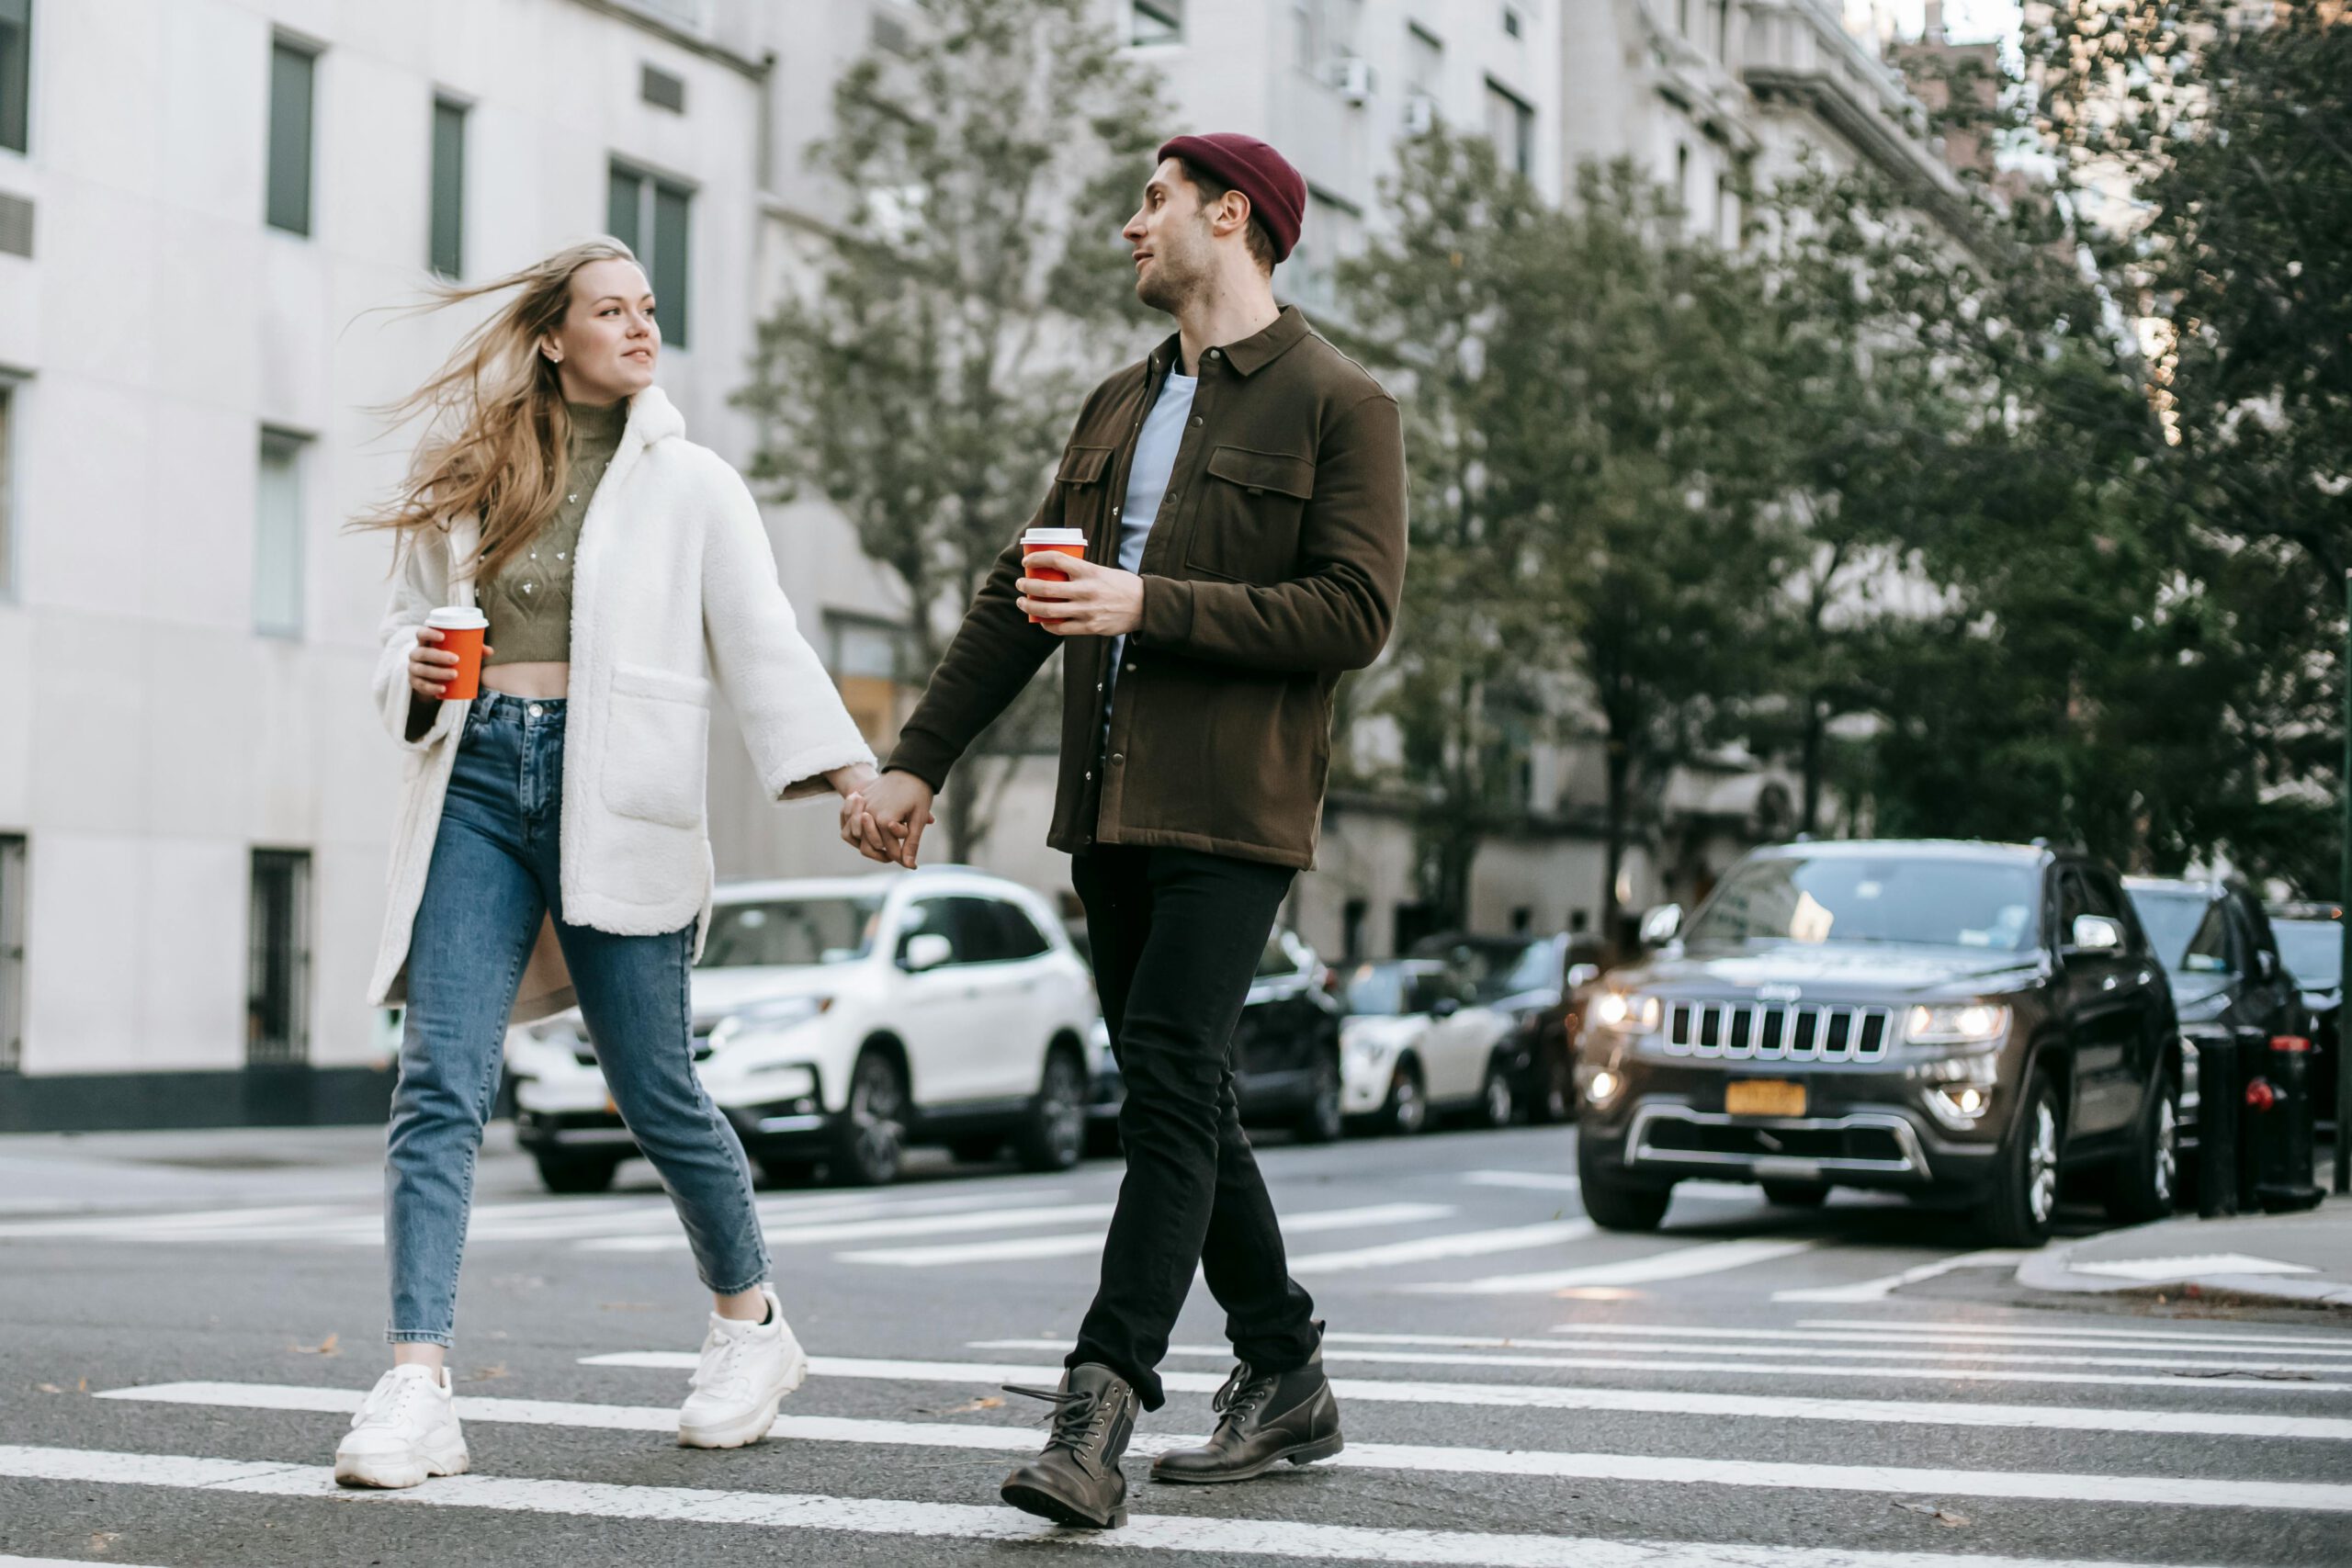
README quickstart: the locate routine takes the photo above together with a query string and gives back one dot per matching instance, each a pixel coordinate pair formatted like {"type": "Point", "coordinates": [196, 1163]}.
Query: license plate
{"type": "Point", "coordinates": [1764, 1097]}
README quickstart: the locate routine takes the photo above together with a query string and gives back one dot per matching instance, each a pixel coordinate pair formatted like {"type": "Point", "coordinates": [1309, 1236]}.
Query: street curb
{"type": "Point", "coordinates": [2051, 1270]}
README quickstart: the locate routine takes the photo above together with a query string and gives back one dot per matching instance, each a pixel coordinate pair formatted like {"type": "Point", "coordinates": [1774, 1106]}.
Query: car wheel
{"type": "Point", "coordinates": [2146, 1186]}
{"type": "Point", "coordinates": [1320, 1123]}
{"type": "Point", "coordinates": [1613, 1201]}
{"type": "Point", "coordinates": [1796, 1195]}
{"type": "Point", "coordinates": [873, 1138]}
{"type": "Point", "coordinates": [577, 1173]}
{"type": "Point", "coordinates": [2023, 1200]}
{"type": "Point", "coordinates": [1053, 1133]}
{"type": "Point", "coordinates": [1406, 1109]}
{"type": "Point", "coordinates": [1498, 1100]}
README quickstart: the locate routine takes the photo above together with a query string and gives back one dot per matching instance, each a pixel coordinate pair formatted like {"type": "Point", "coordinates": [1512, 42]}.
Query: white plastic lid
{"type": "Point", "coordinates": [1054, 536]}
{"type": "Point", "coordinates": [456, 618]}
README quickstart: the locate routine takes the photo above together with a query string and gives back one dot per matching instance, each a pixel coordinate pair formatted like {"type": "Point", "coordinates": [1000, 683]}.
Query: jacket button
{"type": "Point", "coordinates": [1098, 685]}
{"type": "Point", "coordinates": [1130, 669]}
{"type": "Point", "coordinates": [1114, 511]}
{"type": "Point", "coordinates": [1212, 354]}
{"type": "Point", "coordinates": [1198, 421]}
{"type": "Point", "coordinates": [1089, 775]}
{"type": "Point", "coordinates": [1117, 758]}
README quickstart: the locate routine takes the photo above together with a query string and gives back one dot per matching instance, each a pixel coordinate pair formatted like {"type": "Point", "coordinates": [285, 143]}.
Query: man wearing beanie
{"type": "Point", "coordinates": [1243, 496]}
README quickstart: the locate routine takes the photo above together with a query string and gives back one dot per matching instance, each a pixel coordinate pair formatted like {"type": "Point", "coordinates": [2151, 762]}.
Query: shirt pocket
{"type": "Point", "coordinates": [657, 746]}
{"type": "Point", "coordinates": [1245, 529]}
{"type": "Point", "coordinates": [1084, 495]}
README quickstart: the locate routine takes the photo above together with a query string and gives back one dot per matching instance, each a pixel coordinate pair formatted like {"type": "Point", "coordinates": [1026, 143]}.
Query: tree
{"type": "Point", "coordinates": [924, 380]}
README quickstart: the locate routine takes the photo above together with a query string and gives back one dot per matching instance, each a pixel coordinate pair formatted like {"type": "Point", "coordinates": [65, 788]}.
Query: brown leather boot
{"type": "Point", "coordinates": [1077, 1479]}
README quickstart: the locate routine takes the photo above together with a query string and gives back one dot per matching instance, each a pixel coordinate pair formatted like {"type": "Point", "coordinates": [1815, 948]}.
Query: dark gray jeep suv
{"type": "Point", "coordinates": [1958, 1021]}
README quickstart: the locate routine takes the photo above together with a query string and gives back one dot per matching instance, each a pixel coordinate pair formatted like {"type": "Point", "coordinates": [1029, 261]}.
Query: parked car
{"type": "Point", "coordinates": [2310, 943]}
{"type": "Point", "coordinates": [1533, 982]}
{"type": "Point", "coordinates": [1285, 1051]}
{"type": "Point", "coordinates": [1957, 1021]}
{"type": "Point", "coordinates": [839, 1021]}
{"type": "Point", "coordinates": [1417, 1045]}
{"type": "Point", "coordinates": [2222, 958]}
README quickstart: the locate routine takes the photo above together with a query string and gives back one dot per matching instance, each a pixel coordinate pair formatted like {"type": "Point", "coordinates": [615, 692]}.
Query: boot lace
{"type": "Point", "coordinates": [1244, 1393]}
{"type": "Point", "coordinates": [1075, 1416]}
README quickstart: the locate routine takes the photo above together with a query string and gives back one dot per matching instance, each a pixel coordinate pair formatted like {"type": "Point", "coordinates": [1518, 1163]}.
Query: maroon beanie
{"type": "Point", "coordinates": [1277, 192]}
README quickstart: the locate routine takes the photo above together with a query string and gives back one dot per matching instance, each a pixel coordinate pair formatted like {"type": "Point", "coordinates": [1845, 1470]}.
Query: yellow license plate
{"type": "Point", "coordinates": [1764, 1097]}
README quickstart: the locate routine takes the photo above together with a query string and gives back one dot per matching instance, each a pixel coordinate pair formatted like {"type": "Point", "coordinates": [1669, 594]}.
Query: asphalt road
{"type": "Point", "coordinates": [185, 1319]}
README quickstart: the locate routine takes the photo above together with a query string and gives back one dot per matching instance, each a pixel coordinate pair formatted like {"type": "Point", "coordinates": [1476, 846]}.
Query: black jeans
{"type": "Point", "coordinates": [1177, 935]}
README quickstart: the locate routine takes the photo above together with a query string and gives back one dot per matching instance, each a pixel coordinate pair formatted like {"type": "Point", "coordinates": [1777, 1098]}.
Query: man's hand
{"type": "Point", "coordinates": [885, 820]}
{"type": "Point", "coordinates": [1097, 600]}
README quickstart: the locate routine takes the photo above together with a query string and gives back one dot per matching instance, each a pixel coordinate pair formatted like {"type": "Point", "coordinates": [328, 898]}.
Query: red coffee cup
{"type": "Point", "coordinates": [462, 628]}
{"type": "Point", "coordinates": [1059, 541]}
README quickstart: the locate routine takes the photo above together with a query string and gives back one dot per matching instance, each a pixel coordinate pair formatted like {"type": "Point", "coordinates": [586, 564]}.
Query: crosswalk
{"type": "Point", "coordinates": [1689, 1430]}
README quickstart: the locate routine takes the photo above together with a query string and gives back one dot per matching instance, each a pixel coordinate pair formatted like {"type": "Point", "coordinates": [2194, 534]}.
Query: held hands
{"type": "Point", "coordinates": [884, 821]}
{"type": "Point", "coordinates": [429, 669]}
{"type": "Point", "coordinates": [1097, 600]}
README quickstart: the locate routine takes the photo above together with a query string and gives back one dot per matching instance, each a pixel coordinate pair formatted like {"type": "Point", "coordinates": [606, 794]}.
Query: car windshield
{"type": "Point", "coordinates": [1928, 900]}
{"type": "Point", "coordinates": [1391, 989]}
{"type": "Point", "coordinates": [1537, 968]}
{"type": "Point", "coordinates": [2185, 928]}
{"type": "Point", "coordinates": [783, 931]}
{"type": "Point", "coordinates": [2314, 951]}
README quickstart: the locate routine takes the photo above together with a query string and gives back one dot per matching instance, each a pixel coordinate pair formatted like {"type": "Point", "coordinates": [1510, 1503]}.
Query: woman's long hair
{"type": "Point", "coordinates": [498, 436]}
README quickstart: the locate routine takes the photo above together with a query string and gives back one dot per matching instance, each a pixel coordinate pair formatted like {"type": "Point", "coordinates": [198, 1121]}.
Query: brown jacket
{"type": "Point", "coordinates": [1275, 565]}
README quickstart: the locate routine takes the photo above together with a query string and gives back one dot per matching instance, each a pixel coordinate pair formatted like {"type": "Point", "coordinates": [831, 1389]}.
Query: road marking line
{"type": "Point", "coordinates": [1092, 1241]}
{"type": "Point", "coordinates": [1335, 1352]}
{"type": "Point", "coordinates": [49, 1563]}
{"type": "Point", "coordinates": [1880, 1335]}
{"type": "Point", "coordinates": [877, 1229]}
{"type": "Point", "coordinates": [2055, 1486]}
{"type": "Point", "coordinates": [1682, 1263]}
{"type": "Point", "coordinates": [1465, 1244]}
{"type": "Point", "coordinates": [876, 1515]}
{"type": "Point", "coordinates": [1543, 1181]}
{"type": "Point", "coordinates": [2339, 1342]}
{"type": "Point", "coordinates": [197, 1225]}
{"type": "Point", "coordinates": [1886, 1285]}
{"type": "Point", "coordinates": [1523, 1396]}
{"type": "Point", "coordinates": [1604, 1339]}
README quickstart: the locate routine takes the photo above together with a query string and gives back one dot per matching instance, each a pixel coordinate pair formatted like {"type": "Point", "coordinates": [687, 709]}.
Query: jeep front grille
{"type": "Point", "coordinates": [1774, 1031]}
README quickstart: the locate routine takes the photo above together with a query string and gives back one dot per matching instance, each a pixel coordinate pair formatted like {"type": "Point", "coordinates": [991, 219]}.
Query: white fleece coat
{"type": "Point", "coordinates": [672, 583]}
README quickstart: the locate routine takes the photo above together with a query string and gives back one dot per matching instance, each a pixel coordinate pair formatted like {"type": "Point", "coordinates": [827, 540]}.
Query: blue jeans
{"type": "Point", "coordinates": [492, 881]}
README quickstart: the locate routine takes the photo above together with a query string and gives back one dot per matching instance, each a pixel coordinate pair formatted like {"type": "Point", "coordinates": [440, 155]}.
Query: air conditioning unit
{"type": "Point", "coordinates": [1420, 115]}
{"type": "Point", "coordinates": [1352, 78]}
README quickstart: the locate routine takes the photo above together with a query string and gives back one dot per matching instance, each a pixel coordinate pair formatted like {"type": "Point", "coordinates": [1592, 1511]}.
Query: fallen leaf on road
{"type": "Point", "coordinates": [82, 1387]}
{"type": "Point", "coordinates": [986, 1402]}
{"type": "Point", "coordinates": [1942, 1516]}
{"type": "Point", "coordinates": [486, 1374]}
{"type": "Point", "coordinates": [48, 1388]}
{"type": "Point", "coordinates": [323, 1348]}
{"type": "Point", "coordinates": [101, 1540]}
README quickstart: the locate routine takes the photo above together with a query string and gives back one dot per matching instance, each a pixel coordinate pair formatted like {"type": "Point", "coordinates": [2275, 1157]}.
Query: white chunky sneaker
{"type": "Point", "coordinates": [406, 1430]}
{"type": "Point", "coordinates": [746, 1370]}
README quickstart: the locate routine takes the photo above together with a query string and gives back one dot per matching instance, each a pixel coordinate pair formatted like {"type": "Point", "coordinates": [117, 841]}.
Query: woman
{"type": "Point", "coordinates": [621, 567]}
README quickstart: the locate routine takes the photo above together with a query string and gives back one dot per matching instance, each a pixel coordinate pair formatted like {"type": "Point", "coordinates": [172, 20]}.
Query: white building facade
{"type": "Point", "coordinates": [210, 211]}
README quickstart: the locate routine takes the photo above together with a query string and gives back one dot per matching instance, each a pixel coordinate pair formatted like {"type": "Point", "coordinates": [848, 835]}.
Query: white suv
{"type": "Point", "coordinates": [838, 1021]}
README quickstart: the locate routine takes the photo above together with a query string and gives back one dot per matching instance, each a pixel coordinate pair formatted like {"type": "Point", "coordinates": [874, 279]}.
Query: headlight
{"type": "Point", "coordinates": [1627, 1015]}
{"type": "Point", "coordinates": [768, 1018]}
{"type": "Point", "coordinates": [1957, 1024]}
{"type": "Point", "coordinates": [1603, 1086]}
{"type": "Point", "coordinates": [1959, 1106]}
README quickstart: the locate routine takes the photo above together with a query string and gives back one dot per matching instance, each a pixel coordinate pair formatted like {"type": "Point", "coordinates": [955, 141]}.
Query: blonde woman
{"type": "Point", "coordinates": [622, 569]}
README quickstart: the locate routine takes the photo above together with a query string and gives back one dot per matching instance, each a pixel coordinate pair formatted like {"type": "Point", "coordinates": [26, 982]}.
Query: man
{"type": "Point", "coordinates": [1242, 494]}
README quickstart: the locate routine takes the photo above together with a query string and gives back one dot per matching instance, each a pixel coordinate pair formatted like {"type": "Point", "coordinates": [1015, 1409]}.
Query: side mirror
{"type": "Point", "coordinates": [2097, 933]}
{"type": "Point", "coordinates": [927, 950]}
{"type": "Point", "coordinates": [1661, 924]}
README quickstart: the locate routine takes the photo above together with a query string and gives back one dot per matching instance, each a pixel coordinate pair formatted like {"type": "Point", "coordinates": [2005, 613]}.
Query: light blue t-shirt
{"type": "Point", "coordinates": [1164, 433]}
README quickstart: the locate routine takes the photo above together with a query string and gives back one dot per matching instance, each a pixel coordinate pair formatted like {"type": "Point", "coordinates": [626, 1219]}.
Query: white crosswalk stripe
{"type": "Point", "coordinates": [1089, 1244]}
{"type": "Point", "coordinates": [1607, 1339]}
{"type": "Point", "coordinates": [1681, 1263]}
{"type": "Point", "coordinates": [2146, 1490]}
{"type": "Point", "coordinates": [1317, 1541]}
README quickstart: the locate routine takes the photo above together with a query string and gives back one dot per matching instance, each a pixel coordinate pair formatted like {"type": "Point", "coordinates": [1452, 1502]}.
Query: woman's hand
{"type": "Point", "coordinates": [430, 670]}
{"type": "Point", "coordinates": [849, 781]}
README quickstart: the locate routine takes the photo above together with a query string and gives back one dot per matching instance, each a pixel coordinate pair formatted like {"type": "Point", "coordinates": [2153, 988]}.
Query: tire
{"type": "Point", "coordinates": [1554, 1101]}
{"type": "Point", "coordinates": [1053, 1130]}
{"type": "Point", "coordinates": [976, 1150]}
{"type": "Point", "coordinates": [1615, 1202]}
{"type": "Point", "coordinates": [1796, 1195]}
{"type": "Point", "coordinates": [2018, 1209]}
{"type": "Point", "coordinates": [871, 1142]}
{"type": "Point", "coordinates": [2146, 1186]}
{"type": "Point", "coordinates": [1321, 1121]}
{"type": "Point", "coordinates": [562, 1172]}
{"type": "Point", "coordinates": [1497, 1097]}
{"type": "Point", "coordinates": [1405, 1111]}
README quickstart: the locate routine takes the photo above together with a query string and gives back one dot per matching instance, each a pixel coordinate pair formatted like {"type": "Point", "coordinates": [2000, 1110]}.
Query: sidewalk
{"type": "Point", "coordinates": [2302, 1260]}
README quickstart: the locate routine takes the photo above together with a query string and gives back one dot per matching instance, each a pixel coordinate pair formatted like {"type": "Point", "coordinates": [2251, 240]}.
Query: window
{"type": "Point", "coordinates": [277, 986]}
{"type": "Point", "coordinates": [1156, 21]}
{"type": "Point", "coordinates": [1332, 233]}
{"type": "Point", "coordinates": [1723, 29]}
{"type": "Point", "coordinates": [869, 659]}
{"type": "Point", "coordinates": [16, 72]}
{"type": "Point", "coordinates": [1424, 63]}
{"type": "Point", "coordinates": [7, 488]}
{"type": "Point", "coordinates": [660, 88]}
{"type": "Point", "coordinates": [447, 256]}
{"type": "Point", "coordinates": [12, 953]}
{"type": "Point", "coordinates": [1510, 125]}
{"type": "Point", "coordinates": [1324, 29]}
{"type": "Point", "coordinates": [791, 932]}
{"type": "Point", "coordinates": [1017, 935]}
{"type": "Point", "coordinates": [1682, 18]}
{"type": "Point", "coordinates": [1682, 176]}
{"type": "Point", "coordinates": [293, 68]}
{"type": "Point", "coordinates": [649, 214]}
{"type": "Point", "coordinates": [277, 536]}
{"type": "Point", "coordinates": [1510, 21]}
